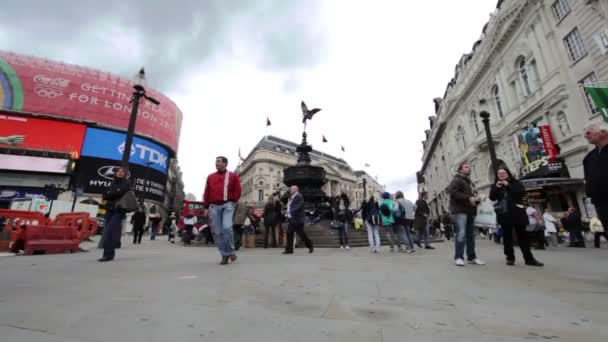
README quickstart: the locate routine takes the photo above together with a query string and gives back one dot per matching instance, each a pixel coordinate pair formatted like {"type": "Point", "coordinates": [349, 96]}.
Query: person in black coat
{"type": "Point", "coordinates": [270, 221]}
{"type": "Point", "coordinates": [509, 195]}
{"type": "Point", "coordinates": [114, 216]}
{"type": "Point", "coordinates": [573, 224]}
{"type": "Point", "coordinates": [138, 220]}
{"type": "Point", "coordinates": [297, 219]}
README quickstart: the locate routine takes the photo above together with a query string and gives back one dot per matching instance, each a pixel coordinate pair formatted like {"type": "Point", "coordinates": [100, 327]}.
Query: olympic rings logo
{"type": "Point", "coordinates": [47, 92]}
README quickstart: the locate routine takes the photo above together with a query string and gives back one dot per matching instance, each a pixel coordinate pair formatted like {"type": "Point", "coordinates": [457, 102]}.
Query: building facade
{"type": "Point", "coordinates": [529, 65]}
{"type": "Point", "coordinates": [261, 172]}
{"type": "Point", "coordinates": [372, 187]}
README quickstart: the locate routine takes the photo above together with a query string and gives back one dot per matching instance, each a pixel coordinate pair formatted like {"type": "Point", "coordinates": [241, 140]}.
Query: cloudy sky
{"type": "Point", "coordinates": [372, 66]}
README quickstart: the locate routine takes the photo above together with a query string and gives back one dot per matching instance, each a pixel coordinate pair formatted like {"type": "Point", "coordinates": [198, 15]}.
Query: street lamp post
{"type": "Point", "coordinates": [138, 92]}
{"type": "Point", "coordinates": [485, 118]}
{"type": "Point", "coordinates": [364, 189]}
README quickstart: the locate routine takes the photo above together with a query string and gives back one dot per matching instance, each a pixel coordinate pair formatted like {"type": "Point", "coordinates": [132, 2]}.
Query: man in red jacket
{"type": "Point", "coordinates": [222, 191]}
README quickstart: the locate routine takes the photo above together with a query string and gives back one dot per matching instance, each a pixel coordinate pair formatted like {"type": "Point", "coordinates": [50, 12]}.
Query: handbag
{"type": "Point", "coordinates": [501, 206]}
{"type": "Point", "coordinates": [128, 202]}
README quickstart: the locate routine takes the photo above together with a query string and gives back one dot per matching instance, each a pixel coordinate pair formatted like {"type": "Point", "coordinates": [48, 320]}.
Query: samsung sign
{"type": "Point", "coordinates": [101, 143]}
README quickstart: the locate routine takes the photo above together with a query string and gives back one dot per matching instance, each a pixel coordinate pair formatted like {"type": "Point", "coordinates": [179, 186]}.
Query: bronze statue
{"type": "Point", "coordinates": [308, 114]}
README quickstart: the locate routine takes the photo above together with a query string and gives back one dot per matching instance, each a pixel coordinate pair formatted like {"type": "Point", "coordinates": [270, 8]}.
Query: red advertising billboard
{"type": "Point", "coordinates": [40, 134]}
{"type": "Point", "coordinates": [37, 85]}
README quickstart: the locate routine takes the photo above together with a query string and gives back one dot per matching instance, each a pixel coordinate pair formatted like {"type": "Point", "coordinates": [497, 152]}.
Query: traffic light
{"type": "Point", "coordinates": [51, 192]}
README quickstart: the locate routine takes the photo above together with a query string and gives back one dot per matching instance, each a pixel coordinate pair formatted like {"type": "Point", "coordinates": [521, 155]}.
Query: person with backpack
{"type": "Point", "coordinates": [400, 215]}
{"type": "Point", "coordinates": [421, 221]}
{"type": "Point", "coordinates": [387, 206]}
{"type": "Point", "coordinates": [371, 214]}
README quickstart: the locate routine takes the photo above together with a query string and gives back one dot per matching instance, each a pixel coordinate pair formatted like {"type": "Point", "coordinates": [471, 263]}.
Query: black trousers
{"type": "Point", "coordinates": [598, 236]}
{"type": "Point", "coordinates": [138, 232]}
{"type": "Point", "coordinates": [522, 240]}
{"type": "Point", "coordinates": [270, 229]}
{"type": "Point", "coordinates": [187, 234]}
{"type": "Point", "coordinates": [238, 236]}
{"type": "Point", "coordinates": [296, 228]}
{"type": "Point", "coordinates": [602, 213]}
{"type": "Point", "coordinates": [111, 234]}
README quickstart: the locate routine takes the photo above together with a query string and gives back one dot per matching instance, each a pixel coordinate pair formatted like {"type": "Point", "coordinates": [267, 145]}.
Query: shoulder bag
{"type": "Point", "coordinates": [128, 202]}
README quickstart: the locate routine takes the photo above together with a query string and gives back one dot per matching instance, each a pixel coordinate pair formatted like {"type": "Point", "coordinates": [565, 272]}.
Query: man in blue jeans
{"type": "Point", "coordinates": [463, 207]}
{"type": "Point", "coordinates": [222, 191]}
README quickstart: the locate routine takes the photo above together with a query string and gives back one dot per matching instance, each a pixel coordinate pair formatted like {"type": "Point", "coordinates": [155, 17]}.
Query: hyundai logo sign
{"type": "Point", "coordinates": [107, 172]}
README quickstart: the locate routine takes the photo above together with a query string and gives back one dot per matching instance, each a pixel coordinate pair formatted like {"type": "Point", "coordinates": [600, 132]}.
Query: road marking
{"type": "Point", "coordinates": [187, 277]}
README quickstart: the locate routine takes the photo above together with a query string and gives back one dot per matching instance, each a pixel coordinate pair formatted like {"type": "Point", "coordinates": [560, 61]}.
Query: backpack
{"type": "Point", "coordinates": [399, 213]}
{"type": "Point", "coordinates": [385, 210]}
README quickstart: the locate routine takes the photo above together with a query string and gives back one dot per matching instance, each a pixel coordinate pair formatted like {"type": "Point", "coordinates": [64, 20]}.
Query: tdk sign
{"type": "Point", "coordinates": [101, 143]}
{"type": "Point", "coordinates": [146, 153]}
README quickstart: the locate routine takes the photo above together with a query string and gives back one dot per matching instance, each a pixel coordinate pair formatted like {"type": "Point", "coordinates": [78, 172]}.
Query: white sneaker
{"type": "Point", "coordinates": [476, 262]}
{"type": "Point", "coordinates": [347, 247]}
{"type": "Point", "coordinates": [341, 247]}
{"type": "Point", "coordinates": [459, 262]}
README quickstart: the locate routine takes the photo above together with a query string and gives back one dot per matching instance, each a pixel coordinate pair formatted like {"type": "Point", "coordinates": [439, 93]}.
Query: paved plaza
{"type": "Point", "coordinates": [162, 292]}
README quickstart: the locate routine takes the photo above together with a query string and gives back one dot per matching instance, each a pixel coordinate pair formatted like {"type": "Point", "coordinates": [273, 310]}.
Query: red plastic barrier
{"type": "Point", "coordinates": [85, 225]}
{"type": "Point", "coordinates": [16, 219]}
{"type": "Point", "coordinates": [50, 239]}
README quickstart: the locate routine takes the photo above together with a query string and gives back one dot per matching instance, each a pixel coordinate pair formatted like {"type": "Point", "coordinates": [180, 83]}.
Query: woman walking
{"type": "Point", "coordinates": [372, 217]}
{"type": "Point", "coordinates": [345, 215]}
{"type": "Point", "coordinates": [114, 216]}
{"type": "Point", "coordinates": [509, 195]}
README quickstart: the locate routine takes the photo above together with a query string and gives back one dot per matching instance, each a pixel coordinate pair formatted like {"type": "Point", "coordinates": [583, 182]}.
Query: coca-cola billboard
{"type": "Point", "coordinates": [35, 85]}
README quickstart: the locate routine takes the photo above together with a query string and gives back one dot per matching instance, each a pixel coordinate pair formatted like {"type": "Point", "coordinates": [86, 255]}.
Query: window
{"type": "Point", "coordinates": [496, 96]}
{"type": "Point", "coordinates": [260, 195]}
{"type": "Point", "coordinates": [575, 46]}
{"type": "Point", "coordinates": [524, 77]}
{"type": "Point", "coordinates": [591, 79]}
{"type": "Point", "coordinates": [261, 182]}
{"type": "Point", "coordinates": [474, 121]}
{"type": "Point", "coordinates": [460, 138]}
{"type": "Point", "coordinates": [560, 9]}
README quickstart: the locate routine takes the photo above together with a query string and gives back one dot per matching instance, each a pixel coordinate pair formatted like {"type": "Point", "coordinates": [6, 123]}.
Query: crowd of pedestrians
{"type": "Point", "coordinates": [402, 223]}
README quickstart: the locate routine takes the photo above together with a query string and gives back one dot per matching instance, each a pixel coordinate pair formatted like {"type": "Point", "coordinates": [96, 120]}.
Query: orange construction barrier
{"type": "Point", "coordinates": [85, 225]}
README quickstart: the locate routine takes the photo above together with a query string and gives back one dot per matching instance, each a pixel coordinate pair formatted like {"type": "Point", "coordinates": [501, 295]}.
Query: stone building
{"type": "Point", "coordinates": [529, 65]}
{"type": "Point", "coordinates": [373, 187]}
{"type": "Point", "coordinates": [261, 172]}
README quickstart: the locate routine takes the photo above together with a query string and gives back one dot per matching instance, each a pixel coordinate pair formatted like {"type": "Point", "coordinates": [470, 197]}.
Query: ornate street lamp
{"type": "Point", "coordinates": [485, 118]}
{"type": "Point", "coordinates": [138, 92]}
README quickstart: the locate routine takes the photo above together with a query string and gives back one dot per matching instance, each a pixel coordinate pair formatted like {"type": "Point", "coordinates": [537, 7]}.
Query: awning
{"type": "Point", "coordinates": [538, 183]}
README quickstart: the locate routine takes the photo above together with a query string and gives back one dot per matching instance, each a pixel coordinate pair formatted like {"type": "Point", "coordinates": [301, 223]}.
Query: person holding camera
{"type": "Point", "coordinates": [511, 215]}
{"type": "Point", "coordinates": [463, 207]}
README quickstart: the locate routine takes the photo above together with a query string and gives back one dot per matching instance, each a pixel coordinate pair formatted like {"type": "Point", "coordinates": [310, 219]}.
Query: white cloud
{"type": "Point", "coordinates": [386, 61]}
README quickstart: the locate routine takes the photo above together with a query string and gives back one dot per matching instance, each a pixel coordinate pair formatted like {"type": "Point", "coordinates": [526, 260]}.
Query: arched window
{"type": "Point", "coordinates": [524, 77]}
{"type": "Point", "coordinates": [474, 122]}
{"type": "Point", "coordinates": [496, 96]}
{"type": "Point", "coordinates": [461, 138]}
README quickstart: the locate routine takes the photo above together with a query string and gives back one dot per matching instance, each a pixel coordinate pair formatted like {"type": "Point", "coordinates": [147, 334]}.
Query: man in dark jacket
{"type": "Point", "coordinates": [596, 169]}
{"type": "Point", "coordinates": [138, 220]}
{"type": "Point", "coordinates": [297, 218]}
{"type": "Point", "coordinates": [463, 207]}
{"type": "Point", "coordinates": [573, 224]}
{"type": "Point", "coordinates": [421, 221]}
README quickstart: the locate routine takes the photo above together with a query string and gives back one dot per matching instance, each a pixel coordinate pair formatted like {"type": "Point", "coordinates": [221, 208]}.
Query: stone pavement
{"type": "Point", "coordinates": [162, 292]}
